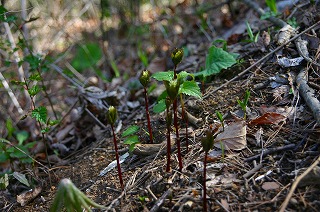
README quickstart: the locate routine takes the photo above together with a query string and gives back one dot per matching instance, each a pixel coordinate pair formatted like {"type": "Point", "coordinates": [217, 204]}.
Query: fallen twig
{"type": "Point", "coordinates": [161, 200]}
{"type": "Point", "coordinates": [262, 59]}
{"type": "Point", "coordinates": [295, 184]}
{"type": "Point", "coordinates": [308, 94]}
{"type": "Point", "coordinates": [270, 151]}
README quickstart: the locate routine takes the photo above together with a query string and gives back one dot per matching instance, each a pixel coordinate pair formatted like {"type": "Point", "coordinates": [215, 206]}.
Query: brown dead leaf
{"type": "Point", "coordinates": [268, 118]}
{"type": "Point", "coordinates": [233, 137]}
{"type": "Point", "coordinates": [270, 186]}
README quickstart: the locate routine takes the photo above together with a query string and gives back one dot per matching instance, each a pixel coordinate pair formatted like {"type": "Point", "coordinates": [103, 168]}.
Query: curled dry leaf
{"type": "Point", "coordinates": [233, 137]}
{"type": "Point", "coordinates": [285, 33]}
{"type": "Point", "coordinates": [268, 118]}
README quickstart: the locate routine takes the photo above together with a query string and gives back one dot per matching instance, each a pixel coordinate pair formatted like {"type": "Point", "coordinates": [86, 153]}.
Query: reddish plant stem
{"type": "Point", "coordinates": [175, 117]}
{"type": "Point", "coordinates": [117, 157]}
{"type": "Point", "coordinates": [168, 145]}
{"type": "Point", "coordinates": [175, 72]}
{"type": "Point", "coordinates": [148, 114]}
{"type": "Point", "coordinates": [204, 182]}
{"type": "Point", "coordinates": [185, 118]}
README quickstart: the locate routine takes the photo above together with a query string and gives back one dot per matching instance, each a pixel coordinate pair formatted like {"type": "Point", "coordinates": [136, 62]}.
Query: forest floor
{"type": "Point", "coordinates": [278, 140]}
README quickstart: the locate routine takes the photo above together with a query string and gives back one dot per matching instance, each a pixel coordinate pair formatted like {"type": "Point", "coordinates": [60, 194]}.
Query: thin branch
{"type": "Point", "coordinates": [11, 94]}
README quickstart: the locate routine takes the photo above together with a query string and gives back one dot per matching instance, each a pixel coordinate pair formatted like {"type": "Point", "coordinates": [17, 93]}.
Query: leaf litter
{"type": "Point", "coordinates": [145, 176]}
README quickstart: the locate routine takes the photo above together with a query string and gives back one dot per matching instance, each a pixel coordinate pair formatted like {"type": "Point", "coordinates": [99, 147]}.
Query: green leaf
{"type": "Point", "coordinates": [272, 4]}
{"type": "Point", "coordinates": [220, 116]}
{"type": "Point", "coordinates": [9, 127]}
{"type": "Point", "coordinates": [15, 153]}
{"type": "Point", "coordinates": [115, 68]}
{"type": "Point", "coordinates": [160, 106]}
{"type": "Point", "coordinates": [21, 178]}
{"type": "Point", "coordinates": [130, 130]}
{"type": "Point", "coordinates": [249, 30]}
{"type": "Point", "coordinates": [5, 15]}
{"type": "Point", "coordinates": [216, 60]}
{"type": "Point", "coordinates": [34, 90]}
{"type": "Point", "coordinates": [33, 60]}
{"type": "Point", "coordinates": [45, 130]}
{"type": "Point", "coordinates": [190, 88]}
{"type": "Point", "coordinates": [4, 156]}
{"type": "Point", "coordinates": [131, 140]}
{"type": "Point", "coordinates": [22, 136]}
{"type": "Point", "coordinates": [163, 95]}
{"type": "Point", "coordinates": [35, 77]}
{"type": "Point", "coordinates": [163, 75]}
{"type": "Point", "coordinates": [151, 88]}
{"type": "Point", "coordinates": [143, 57]}
{"type": "Point", "coordinates": [183, 74]}
{"type": "Point", "coordinates": [40, 114]}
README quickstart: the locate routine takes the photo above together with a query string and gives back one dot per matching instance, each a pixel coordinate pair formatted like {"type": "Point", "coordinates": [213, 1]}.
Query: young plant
{"type": "Point", "coordinates": [130, 138]}
{"type": "Point", "coordinates": [112, 117]}
{"type": "Point", "coordinates": [243, 104]}
{"type": "Point", "coordinates": [168, 124]}
{"type": "Point", "coordinates": [207, 144]}
{"type": "Point", "coordinates": [176, 57]}
{"type": "Point", "coordinates": [220, 117]}
{"type": "Point", "coordinates": [72, 198]}
{"type": "Point", "coordinates": [172, 88]}
{"type": "Point", "coordinates": [272, 4]}
{"type": "Point", "coordinates": [252, 38]}
{"type": "Point", "coordinates": [144, 80]}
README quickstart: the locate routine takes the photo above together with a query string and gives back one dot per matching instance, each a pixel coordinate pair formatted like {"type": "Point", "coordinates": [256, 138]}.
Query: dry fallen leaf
{"type": "Point", "coordinates": [268, 118]}
{"type": "Point", "coordinates": [233, 137]}
{"type": "Point", "coordinates": [270, 186]}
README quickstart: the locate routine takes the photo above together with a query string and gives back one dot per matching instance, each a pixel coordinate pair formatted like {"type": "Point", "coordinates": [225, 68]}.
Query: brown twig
{"type": "Point", "coordinates": [161, 200]}
{"type": "Point", "coordinates": [270, 151]}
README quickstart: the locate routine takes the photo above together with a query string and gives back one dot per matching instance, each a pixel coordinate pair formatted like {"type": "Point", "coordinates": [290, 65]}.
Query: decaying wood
{"type": "Point", "coordinates": [303, 50]}
{"type": "Point", "coordinates": [308, 94]}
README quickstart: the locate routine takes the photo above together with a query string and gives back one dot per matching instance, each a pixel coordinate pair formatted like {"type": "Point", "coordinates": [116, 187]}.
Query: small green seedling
{"type": "Point", "coordinates": [144, 80]}
{"type": "Point", "coordinates": [272, 4]}
{"type": "Point", "coordinates": [252, 38]}
{"type": "Point", "coordinates": [72, 199]}
{"type": "Point", "coordinates": [220, 117]}
{"type": "Point", "coordinates": [172, 88]}
{"type": "Point", "coordinates": [130, 138]}
{"type": "Point", "coordinates": [243, 104]}
{"type": "Point", "coordinates": [112, 117]}
{"type": "Point", "coordinates": [207, 144]}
